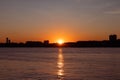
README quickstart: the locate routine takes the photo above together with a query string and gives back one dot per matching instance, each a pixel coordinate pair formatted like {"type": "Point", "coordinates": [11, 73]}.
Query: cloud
{"type": "Point", "coordinates": [113, 12]}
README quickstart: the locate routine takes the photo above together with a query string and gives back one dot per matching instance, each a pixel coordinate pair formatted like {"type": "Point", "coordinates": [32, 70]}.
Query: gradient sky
{"type": "Point", "coordinates": [71, 20]}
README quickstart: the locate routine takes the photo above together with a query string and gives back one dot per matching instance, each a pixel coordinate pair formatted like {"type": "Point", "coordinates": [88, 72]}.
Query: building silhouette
{"type": "Point", "coordinates": [33, 43]}
{"type": "Point", "coordinates": [112, 42]}
{"type": "Point", "coordinates": [113, 37]}
{"type": "Point", "coordinates": [8, 41]}
{"type": "Point", "coordinates": [46, 42]}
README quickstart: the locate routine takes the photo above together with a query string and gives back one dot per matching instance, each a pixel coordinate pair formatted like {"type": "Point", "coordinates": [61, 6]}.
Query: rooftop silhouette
{"type": "Point", "coordinates": [112, 42]}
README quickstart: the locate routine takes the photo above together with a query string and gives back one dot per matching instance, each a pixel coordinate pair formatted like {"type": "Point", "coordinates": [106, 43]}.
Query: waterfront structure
{"type": "Point", "coordinates": [113, 37]}
{"type": "Point", "coordinates": [8, 41]}
{"type": "Point", "coordinates": [46, 42]}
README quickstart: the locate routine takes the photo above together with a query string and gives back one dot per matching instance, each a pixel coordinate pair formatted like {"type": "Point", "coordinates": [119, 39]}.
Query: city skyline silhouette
{"type": "Point", "coordinates": [112, 42]}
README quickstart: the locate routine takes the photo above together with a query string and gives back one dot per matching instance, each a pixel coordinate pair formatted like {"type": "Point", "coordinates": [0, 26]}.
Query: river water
{"type": "Point", "coordinates": [59, 63]}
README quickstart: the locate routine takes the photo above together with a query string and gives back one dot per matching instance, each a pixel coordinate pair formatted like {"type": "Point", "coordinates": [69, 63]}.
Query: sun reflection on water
{"type": "Point", "coordinates": [60, 65]}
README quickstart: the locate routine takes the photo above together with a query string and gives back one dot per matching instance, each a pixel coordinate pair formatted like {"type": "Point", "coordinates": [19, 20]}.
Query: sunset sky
{"type": "Point", "coordinates": [70, 20]}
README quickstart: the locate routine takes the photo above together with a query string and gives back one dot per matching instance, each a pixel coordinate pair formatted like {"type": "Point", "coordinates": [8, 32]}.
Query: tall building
{"type": "Point", "coordinates": [7, 40]}
{"type": "Point", "coordinates": [113, 37]}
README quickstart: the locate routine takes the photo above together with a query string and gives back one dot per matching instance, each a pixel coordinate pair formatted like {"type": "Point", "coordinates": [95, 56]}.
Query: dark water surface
{"type": "Point", "coordinates": [59, 63]}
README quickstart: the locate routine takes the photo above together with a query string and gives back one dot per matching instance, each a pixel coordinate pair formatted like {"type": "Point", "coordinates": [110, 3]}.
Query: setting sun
{"type": "Point", "coordinates": [60, 41]}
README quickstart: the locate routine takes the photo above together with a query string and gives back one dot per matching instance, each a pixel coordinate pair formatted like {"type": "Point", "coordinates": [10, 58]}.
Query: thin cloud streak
{"type": "Point", "coordinates": [114, 12]}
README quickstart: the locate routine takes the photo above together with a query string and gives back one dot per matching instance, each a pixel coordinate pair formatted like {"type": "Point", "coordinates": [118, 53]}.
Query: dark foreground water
{"type": "Point", "coordinates": [59, 63]}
